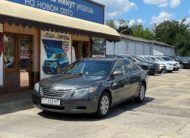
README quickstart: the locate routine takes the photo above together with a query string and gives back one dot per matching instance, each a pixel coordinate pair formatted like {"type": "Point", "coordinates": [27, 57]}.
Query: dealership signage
{"type": "Point", "coordinates": [55, 52]}
{"type": "Point", "coordinates": [82, 9]}
{"type": "Point", "coordinates": [1, 55]}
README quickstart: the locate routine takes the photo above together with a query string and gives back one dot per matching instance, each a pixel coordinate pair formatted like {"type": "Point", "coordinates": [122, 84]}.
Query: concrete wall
{"type": "Point", "coordinates": [137, 48]}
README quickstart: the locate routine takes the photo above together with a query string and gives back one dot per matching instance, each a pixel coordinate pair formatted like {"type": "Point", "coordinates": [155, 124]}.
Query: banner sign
{"type": "Point", "coordinates": [81, 9]}
{"type": "Point", "coordinates": [55, 53]}
{"type": "Point", "coordinates": [1, 57]}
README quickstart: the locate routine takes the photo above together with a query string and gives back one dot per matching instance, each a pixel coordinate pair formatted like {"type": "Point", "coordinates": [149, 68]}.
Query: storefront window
{"type": "Point", "coordinates": [9, 52]}
{"type": "Point", "coordinates": [98, 47]}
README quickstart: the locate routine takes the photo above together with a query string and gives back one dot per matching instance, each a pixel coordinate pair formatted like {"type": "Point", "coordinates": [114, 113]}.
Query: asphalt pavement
{"type": "Point", "coordinates": [165, 114]}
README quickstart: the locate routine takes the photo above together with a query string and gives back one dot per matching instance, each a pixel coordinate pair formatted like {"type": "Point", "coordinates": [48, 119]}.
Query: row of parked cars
{"type": "Point", "coordinates": [158, 64]}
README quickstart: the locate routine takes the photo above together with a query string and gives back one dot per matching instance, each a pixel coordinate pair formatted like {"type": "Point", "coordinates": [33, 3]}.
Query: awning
{"type": "Point", "coordinates": [28, 16]}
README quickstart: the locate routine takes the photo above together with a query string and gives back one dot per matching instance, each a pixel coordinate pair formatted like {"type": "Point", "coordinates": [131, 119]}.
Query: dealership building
{"type": "Point", "coordinates": [137, 46]}
{"type": "Point", "coordinates": [38, 38]}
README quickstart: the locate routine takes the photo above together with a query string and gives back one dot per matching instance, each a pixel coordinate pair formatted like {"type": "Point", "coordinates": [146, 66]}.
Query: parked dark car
{"type": "Point", "coordinates": [185, 64]}
{"type": "Point", "coordinates": [153, 68]}
{"type": "Point", "coordinates": [144, 66]}
{"type": "Point", "coordinates": [91, 86]}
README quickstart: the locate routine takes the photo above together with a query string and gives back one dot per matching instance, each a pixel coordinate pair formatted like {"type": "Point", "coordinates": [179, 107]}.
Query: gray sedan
{"type": "Point", "coordinates": [91, 86]}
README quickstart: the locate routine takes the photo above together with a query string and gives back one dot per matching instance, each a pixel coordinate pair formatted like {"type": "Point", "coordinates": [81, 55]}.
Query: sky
{"type": "Point", "coordinates": [146, 12]}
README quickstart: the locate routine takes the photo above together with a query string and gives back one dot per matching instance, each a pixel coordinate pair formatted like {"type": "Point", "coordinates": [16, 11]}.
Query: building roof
{"type": "Point", "coordinates": [94, 2]}
{"type": "Point", "coordinates": [45, 20]}
{"type": "Point", "coordinates": [145, 40]}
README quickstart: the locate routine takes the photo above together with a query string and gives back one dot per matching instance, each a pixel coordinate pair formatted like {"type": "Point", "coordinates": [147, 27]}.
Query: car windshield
{"type": "Point", "coordinates": [151, 59]}
{"type": "Point", "coordinates": [56, 56]}
{"type": "Point", "coordinates": [139, 58]}
{"type": "Point", "coordinates": [89, 68]}
{"type": "Point", "coordinates": [167, 59]}
{"type": "Point", "coordinates": [184, 59]}
{"type": "Point", "coordinates": [160, 59]}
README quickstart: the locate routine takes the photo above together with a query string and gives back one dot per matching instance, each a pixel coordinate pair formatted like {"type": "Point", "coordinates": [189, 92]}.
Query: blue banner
{"type": "Point", "coordinates": [75, 8]}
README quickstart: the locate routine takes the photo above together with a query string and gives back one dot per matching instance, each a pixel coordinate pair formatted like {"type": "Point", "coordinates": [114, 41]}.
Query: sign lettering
{"type": "Point", "coordinates": [74, 8]}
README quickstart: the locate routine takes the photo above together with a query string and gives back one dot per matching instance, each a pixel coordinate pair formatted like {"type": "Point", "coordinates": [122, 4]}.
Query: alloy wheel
{"type": "Point", "coordinates": [104, 104]}
{"type": "Point", "coordinates": [142, 93]}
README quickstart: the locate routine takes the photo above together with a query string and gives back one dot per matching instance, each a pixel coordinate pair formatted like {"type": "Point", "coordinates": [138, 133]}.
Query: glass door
{"type": "Point", "coordinates": [25, 44]}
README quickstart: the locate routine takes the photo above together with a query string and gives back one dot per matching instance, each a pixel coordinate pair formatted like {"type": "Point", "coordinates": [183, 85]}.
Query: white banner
{"type": "Point", "coordinates": [1, 54]}
{"type": "Point", "coordinates": [55, 52]}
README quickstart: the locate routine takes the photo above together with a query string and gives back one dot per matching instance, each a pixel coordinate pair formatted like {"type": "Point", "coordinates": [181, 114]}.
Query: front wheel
{"type": "Point", "coordinates": [103, 105]}
{"type": "Point", "coordinates": [182, 66]}
{"type": "Point", "coordinates": [141, 94]}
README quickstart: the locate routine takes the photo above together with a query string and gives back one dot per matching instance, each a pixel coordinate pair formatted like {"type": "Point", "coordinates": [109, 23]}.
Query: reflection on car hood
{"type": "Point", "coordinates": [71, 81]}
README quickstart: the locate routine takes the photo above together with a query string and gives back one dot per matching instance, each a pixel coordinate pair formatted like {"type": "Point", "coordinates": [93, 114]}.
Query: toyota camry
{"type": "Point", "coordinates": [91, 86]}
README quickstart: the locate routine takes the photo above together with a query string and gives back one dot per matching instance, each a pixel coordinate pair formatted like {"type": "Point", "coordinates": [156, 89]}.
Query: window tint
{"type": "Point", "coordinates": [119, 66]}
{"type": "Point", "coordinates": [130, 68]}
{"type": "Point", "coordinates": [89, 68]}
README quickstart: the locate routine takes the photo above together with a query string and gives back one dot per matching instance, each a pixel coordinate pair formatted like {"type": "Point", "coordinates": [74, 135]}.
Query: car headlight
{"type": "Point", "coordinates": [82, 91]}
{"type": "Point", "coordinates": [37, 87]}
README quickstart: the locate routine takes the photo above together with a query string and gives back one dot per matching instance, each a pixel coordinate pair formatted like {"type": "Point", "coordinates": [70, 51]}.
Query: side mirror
{"type": "Point", "coordinates": [117, 73]}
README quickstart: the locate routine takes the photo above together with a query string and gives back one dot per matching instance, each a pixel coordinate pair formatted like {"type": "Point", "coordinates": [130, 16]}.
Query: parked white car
{"type": "Point", "coordinates": [169, 65]}
{"type": "Point", "coordinates": [176, 64]}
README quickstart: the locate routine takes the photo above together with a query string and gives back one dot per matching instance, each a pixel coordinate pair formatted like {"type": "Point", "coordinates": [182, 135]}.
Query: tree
{"type": "Point", "coordinates": [175, 33]}
{"type": "Point", "coordinates": [139, 31]}
{"type": "Point", "coordinates": [111, 23]}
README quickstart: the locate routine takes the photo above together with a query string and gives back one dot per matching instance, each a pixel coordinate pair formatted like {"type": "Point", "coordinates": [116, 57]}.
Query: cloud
{"type": "Point", "coordinates": [163, 16]}
{"type": "Point", "coordinates": [187, 20]}
{"type": "Point", "coordinates": [164, 3]}
{"type": "Point", "coordinates": [174, 3]}
{"type": "Point", "coordinates": [138, 22]}
{"type": "Point", "coordinates": [116, 8]}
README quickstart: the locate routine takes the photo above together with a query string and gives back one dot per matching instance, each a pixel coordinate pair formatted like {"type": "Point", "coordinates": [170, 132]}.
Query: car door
{"type": "Point", "coordinates": [118, 82]}
{"type": "Point", "coordinates": [133, 73]}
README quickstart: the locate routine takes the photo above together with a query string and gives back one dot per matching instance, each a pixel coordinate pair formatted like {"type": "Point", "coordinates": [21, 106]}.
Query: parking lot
{"type": "Point", "coordinates": [165, 113]}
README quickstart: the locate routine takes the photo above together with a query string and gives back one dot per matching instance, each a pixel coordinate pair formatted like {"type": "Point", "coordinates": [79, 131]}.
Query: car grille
{"type": "Point", "coordinates": [58, 93]}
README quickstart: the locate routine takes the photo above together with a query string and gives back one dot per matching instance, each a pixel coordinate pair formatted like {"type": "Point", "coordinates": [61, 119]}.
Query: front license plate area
{"type": "Point", "coordinates": [48, 101]}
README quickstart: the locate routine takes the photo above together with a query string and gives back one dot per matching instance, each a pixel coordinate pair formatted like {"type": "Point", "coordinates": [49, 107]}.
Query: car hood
{"type": "Point", "coordinates": [149, 64]}
{"type": "Point", "coordinates": [142, 64]}
{"type": "Point", "coordinates": [68, 81]}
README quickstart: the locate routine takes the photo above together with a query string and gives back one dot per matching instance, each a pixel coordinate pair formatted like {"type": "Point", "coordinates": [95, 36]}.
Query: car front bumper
{"type": "Point", "coordinates": [71, 106]}
{"type": "Point", "coordinates": [169, 68]}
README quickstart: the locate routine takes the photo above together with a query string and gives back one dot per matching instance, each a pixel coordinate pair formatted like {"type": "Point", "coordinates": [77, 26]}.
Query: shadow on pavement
{"type": "Point", "coordinates": [115, 111]}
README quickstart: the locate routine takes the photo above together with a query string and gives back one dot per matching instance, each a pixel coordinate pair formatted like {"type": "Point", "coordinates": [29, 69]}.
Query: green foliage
{"type": "Point", "coordinates": [111, 23]}
{"type": "Point", "coordinates": [175, 33]}
{"type": "Point", "coordinates": [139, 31]}
{"type": "Point", "coordinates": [136, 30]}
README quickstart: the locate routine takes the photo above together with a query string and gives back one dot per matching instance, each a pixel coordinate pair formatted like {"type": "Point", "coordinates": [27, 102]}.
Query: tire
{"type": "Point", "coordinates": [182, 66]}
{"type": "Point", "coordinates": [170, 71]}
{"type": "Point", "coordinates": [141, 94]}
{"type": "Point", "coordinates": [58, 69]}
{"type": "Point", "coordinates": [103, 105]}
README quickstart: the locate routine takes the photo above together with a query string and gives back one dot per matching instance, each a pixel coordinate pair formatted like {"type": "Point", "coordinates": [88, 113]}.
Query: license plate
{"type": "Point", "coordinates": [48, 101]}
